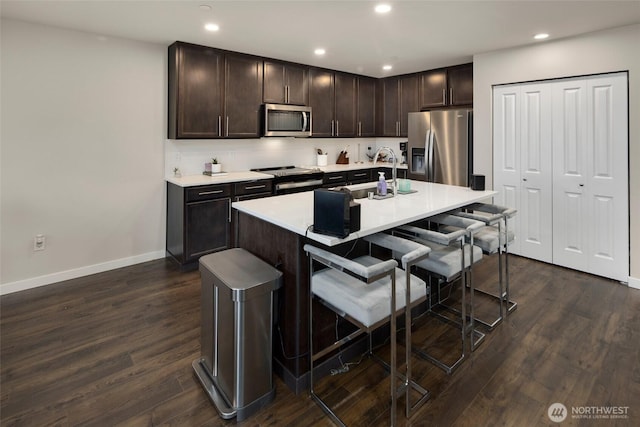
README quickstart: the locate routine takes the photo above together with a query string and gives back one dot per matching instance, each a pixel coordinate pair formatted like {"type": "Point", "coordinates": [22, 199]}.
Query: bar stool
{"type": "Point", "coordinates": [491, 239]}
{"type": "Point", "coordinates": [365, 292]}
{"type": "Point", "coordinates": [450, 258]}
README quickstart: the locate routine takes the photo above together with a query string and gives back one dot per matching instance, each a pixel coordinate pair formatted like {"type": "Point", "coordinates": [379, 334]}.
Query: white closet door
{"type": "Point", "coordinates": [570, 215]}
{"type": "Point", "coordinates": [608, 180]}
{"type": "Point", "coordinates": [506, 152]}
{"type": "Point", "coordinates": [535, 213]}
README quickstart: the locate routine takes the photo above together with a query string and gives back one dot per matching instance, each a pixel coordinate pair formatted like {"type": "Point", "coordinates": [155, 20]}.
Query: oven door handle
{"type": "Point", "coordinates": [300, 184]}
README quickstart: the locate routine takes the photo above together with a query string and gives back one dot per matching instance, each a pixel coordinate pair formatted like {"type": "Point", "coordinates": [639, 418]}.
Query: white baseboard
{"type": "Point", "coordinates": [634, 282]}
{"type": "Point", "coordinates": [48, 279]}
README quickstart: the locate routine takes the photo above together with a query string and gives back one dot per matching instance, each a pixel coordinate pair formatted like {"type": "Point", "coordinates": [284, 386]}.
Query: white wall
{"type": "Point", "coordinates": [598, 52]}
{"type": "Point", "coordinates": [83, 124]}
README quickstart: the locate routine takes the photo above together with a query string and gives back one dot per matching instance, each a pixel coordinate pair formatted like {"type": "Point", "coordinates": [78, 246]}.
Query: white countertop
{"type": "Point", "coordinates": [223, 178]}
{"type": "Point", "coordinates": [356, 166]}
{"type": "Point", "coordinates": [294, 212]}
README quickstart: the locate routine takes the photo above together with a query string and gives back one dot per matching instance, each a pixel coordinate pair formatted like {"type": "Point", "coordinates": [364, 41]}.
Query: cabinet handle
{"type": "Point", "coordinates": [332, 126]}
{"type": "Point", "coordinates": [229, 203]}
{"type": "Point", "coordinates": [335, 177]}
{"type": "Point", "coordinates": [360, 174]}
{"type": "Point", "coordinates": [337, 127]}
{"type": "Point", "coordinates": [450, 95]}
{"type": "Point", "coordinates": [226, 127]}
{"type": "Point", "coordinates": [581, 185]}
{"type": "Point", "coordinates": [359, 128]}
{"type": "Point", "coordinates": [286, 94]}
{"type": "Point", "coordinates": [219, 125]}
{"type": "Point", "coordinates": [206, 193]}
{"type": "Point", "coordinates": [444, 96]}
{"type": "Point", "coordinates": [524, 179]}
{"type": "Point", "coordinates": [255, 187]}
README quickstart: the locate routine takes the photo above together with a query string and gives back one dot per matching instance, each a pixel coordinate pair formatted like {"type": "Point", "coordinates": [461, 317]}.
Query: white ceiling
{"type": "Point", "coordinates": [414, 36]}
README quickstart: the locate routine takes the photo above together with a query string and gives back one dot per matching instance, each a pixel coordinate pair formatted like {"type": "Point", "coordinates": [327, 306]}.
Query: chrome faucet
{"type": "Point", "coordinates": [394, 172]}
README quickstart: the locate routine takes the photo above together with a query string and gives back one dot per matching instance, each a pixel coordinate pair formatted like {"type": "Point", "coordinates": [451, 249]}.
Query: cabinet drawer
{"type": "Point", "coordinates": [335, 178]}
{"type": "Point", "coordinates": [359, 176]}
{"type": "Point", "coordinates": [206, 192]}
{"type": "Point", "coordinates": [253, 187]}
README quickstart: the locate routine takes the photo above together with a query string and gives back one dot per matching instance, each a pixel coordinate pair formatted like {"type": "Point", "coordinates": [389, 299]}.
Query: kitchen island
{"type": "Point", "coordinates": [276, 230]}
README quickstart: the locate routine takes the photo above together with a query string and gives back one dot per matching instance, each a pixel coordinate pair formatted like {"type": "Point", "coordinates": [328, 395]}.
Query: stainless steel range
{"type": "Point", "coordinates": [291, 179]}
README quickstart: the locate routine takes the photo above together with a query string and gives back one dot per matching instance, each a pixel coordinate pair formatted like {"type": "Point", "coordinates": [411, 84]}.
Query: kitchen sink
{"type": "Point", "coordinates": [364, 192]}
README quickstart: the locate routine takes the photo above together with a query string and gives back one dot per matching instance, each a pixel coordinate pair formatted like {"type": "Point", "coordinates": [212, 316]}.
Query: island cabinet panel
{"type": "Point", "coordinates": [213, 93]}
{"type": "Point", "coordinates": [285, 83]}
{"type": "Point", "coordinates": [198, 221]}
{"type": "Point", "coordinates": [366, 107]}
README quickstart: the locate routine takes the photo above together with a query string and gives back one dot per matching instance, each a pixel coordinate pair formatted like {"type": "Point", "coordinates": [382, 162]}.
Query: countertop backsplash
{"type": "Point", "coordinates": [244, 154]}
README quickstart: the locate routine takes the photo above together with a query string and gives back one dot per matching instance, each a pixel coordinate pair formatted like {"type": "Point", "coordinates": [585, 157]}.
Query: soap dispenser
{"type": "Point", "coordinates": [382, 185]}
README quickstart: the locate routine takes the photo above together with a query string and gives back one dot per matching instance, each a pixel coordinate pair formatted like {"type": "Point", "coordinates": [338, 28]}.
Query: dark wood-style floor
{"type": "Point", "coordinates": [116, 349]}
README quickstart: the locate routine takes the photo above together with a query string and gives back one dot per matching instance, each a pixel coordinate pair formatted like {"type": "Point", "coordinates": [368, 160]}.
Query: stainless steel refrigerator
{"type": "Point", "coordinates": [440, 146]}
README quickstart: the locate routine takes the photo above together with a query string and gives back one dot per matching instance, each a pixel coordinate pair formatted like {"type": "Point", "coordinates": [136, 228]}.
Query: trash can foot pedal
{"type": "Point", "coordinates": [224, 409]}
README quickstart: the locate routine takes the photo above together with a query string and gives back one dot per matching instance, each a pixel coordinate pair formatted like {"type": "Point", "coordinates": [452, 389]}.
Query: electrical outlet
{"type": "Point", "coordinates": [39, 242]}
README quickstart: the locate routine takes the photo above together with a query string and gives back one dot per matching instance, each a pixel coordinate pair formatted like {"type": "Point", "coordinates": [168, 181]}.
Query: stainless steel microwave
{"type": "Point", "coordinates": [286, 120]}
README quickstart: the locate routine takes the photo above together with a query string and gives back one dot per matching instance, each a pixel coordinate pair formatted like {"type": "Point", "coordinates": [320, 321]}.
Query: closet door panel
{"type": "Point", "coordinates": [608, 175]}
{"type": "Point", "coordinates": [570, 215]}
{"type": "Point", "coordinates": [536, 223]}
{"type": "Point", "coordinates": [506, 153]}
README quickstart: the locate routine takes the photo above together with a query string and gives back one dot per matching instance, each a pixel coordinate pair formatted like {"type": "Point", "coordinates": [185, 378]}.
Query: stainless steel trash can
{"type": "Point", "coordinates": [235, 367]}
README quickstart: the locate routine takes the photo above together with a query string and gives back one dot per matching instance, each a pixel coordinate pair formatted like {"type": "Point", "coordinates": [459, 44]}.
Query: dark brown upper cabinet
{"type": "Point", "coordinates": [398, 96]}
{"type": "Point", "coordinates": [460, 82]}
{"type": "Point", "coordinates": [286, 83]}
{"type": "Point", "coordinates": [332, 96]}
{"type": "Point", "coordinates": [213, 93]}
{"type": "Point", "coordinates": [366, 108]}
{"type": "Point", "coordinates": [446, 87]}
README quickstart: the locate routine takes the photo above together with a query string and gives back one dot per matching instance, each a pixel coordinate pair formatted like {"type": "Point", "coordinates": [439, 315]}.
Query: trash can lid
{"type": "Point", "coordinates": [241, 271]}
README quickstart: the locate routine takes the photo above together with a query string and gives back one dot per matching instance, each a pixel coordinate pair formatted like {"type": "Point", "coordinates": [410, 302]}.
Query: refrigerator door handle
{"type": "Point", "coordinates": [432, 175]}
{"type": "Point", "coordinates": [427, 140]}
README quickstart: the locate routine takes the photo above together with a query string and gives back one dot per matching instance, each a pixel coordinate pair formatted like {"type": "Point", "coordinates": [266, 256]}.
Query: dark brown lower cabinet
{"type": "Point", "coordinates": [198, 221]}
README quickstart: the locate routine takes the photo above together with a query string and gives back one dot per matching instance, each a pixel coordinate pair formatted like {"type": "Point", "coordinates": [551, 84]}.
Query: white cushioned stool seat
{"type": "Point", "coordinates": [367, 303]}
{"type": "Point", "coordinates": [445, 260]}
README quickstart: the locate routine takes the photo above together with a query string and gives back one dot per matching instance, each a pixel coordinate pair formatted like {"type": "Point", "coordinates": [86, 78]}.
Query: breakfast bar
{"type": "Point", "coordinates": [276, 229]}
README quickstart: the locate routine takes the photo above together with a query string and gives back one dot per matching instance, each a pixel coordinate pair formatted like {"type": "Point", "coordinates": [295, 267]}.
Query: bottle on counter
{"type": "Point", "coordinates": [382, 185]}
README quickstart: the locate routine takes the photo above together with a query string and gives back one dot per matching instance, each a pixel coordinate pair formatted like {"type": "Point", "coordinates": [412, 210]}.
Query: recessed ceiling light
{"type": "Point", "coordinates": [387, 67]}
{"type": "Point", "coordinates": [541, 36]}
{"type": "Point", "coordinates": [382, 8]}
{"type": "Point", "coordinates": [211, 27]}
{"type": "Point", "coordinates": [205, 7]}
{"type": "Point", "coordinates": [320, 51]}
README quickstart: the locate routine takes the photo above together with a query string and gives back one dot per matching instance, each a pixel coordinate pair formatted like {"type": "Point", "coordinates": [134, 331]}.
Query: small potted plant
{"type": "Point", "coordinates": [215, 166]}
{"type": "Point", "coordinates": [177, 173]}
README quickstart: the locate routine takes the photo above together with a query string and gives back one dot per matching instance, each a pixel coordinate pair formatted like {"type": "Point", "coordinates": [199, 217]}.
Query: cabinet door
{"type": "Point", "coordinates": [198, 99]}
{"type": "Point", "coordinates": [408, 102]}
{"type": "Point", "coordinates": [207, 227]}
{"type": "Point", "coordinates": [321, 100]}
{"type": "Point", "coordinates": [345, 104]}
{"type": "Point", "coordinates": [297, 81]}
{"type": "Point", "coordinates": [243, 96]}
{"type": "Point", "coordinates": [460, 81]}
{"type": "Point", "coordinates": [433, 89]}
{"type": "Point", "coordinates": [366, 108]}
{"type": "Point", "coordinates": [389, 107]}
{"type": "Point", "coordinates": [274, 83]}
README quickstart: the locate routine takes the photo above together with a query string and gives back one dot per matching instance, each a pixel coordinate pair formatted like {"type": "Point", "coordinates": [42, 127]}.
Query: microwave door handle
{"type": "Point", "coordinates": [304, 121]}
